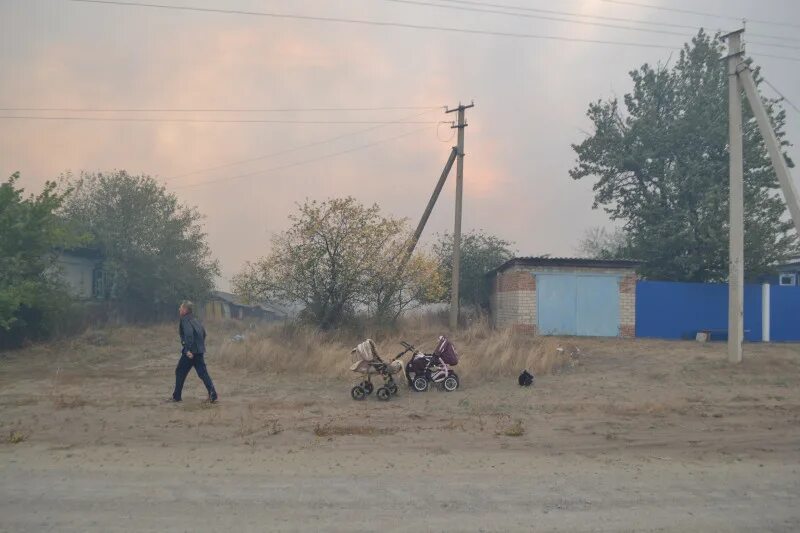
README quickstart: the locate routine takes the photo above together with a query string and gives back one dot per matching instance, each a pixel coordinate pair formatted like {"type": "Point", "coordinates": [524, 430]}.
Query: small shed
{"type": "Point", "coordinates": [81, 271]}
{"type": "Point", "coordinates": [565, 296]}
{"type": "Point", "coordinates": [227, 305]}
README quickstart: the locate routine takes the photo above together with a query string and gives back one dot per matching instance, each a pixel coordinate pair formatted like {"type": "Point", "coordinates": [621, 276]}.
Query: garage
{"type": "Point", "coordinates": [565, 296]}
{"type": "Point", "coordinates": [571, 304]}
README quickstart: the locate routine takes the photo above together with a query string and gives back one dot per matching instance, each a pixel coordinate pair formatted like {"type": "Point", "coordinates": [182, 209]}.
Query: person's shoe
{"type": "Point", "coordinates": [212, 398]}
{"type": "Point", "coordinates": [172, 399]}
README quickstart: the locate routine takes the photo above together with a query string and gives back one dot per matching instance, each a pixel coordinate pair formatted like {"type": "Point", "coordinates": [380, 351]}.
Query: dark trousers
{"type": "Point", "coordinates": [182, 370]}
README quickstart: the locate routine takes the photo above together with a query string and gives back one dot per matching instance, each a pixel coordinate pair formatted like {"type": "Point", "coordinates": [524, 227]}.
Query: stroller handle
{"type": "Point", "coordinates": [401, 354]}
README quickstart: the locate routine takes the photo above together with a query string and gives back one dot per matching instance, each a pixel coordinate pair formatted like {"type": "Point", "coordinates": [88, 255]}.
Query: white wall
{"type": "Point", "coordinates": [77, 273]}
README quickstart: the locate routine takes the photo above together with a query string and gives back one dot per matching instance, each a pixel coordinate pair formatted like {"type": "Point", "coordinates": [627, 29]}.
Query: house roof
{"type": "Point", "coordinates": [236, 300]}
{"type": "Point", "coordinates": [566, 262]}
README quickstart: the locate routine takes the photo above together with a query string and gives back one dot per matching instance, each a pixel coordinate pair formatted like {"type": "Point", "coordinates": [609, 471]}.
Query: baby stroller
{"type": "Point", "coordinates": [367, 361]}
{"type": "Point", "coordinates": [424, 369]}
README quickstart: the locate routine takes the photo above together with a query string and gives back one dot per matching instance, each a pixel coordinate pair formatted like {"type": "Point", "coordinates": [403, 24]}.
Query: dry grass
{"type": "Point", "coordinates": [65, 401]}
{"type": "Point", "coordinates": [517, 429]}
{"type": "Point", "coordinates": [485, 353]}
{"type": "Point", "coordinates": [15, 437]}
{"type": "Point", "coordinates": [331, 430]}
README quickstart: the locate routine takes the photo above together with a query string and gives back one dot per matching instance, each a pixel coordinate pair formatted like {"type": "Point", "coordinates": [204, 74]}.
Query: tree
{"type": "Point", "coordinates": [31, 297]}
{"type": "Point", "coordinates": [391, 292]}
{"type": "Point", "coordinates": [337, 257]}
{"type": "Point", "coordinates": [480, 253]}
{"type": "Point", "coordinates": [661, 167]}
{"type": "Point", "coordinates": [600, 243]}
{"type": "Point", "coordinates": [155, 250]}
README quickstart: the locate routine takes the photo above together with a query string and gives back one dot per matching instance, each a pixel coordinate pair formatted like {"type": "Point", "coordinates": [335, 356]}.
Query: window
{"type": "Point", "coordinates": [788, 280]}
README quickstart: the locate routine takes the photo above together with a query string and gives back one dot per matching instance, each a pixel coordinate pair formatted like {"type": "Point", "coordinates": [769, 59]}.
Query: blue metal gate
{"type": "Point", "coordinates": [569, 304]}
{"type": "Point", "coordinates": [598, 306]}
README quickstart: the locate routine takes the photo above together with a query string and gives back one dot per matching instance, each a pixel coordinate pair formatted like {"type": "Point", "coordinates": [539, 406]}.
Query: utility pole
{"type": "Point", "coordinates": [773, 146]}
{"type": "Point", "coordinates": [454, 296]}
{"type": "Point", "coordinates": [735, 149]}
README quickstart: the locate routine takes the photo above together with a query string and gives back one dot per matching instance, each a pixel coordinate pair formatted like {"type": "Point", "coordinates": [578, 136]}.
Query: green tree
{"type": "Point", "coordinates": [661, 167]}
{"type": "Point", "coordinates": [480, 253]}
{"type": "Point", "coordinates": [155, 250]}
{"type": "Point", "coordinates": [338, 257]}
{"type": "Point", "coordinates": [31, 295]}
{"type": "Point", "coordinates": [600, 243]}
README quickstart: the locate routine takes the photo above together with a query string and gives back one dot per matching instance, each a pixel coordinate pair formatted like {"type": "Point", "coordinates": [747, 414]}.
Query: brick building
{"type": "Point", "coordinates": [564, 296]}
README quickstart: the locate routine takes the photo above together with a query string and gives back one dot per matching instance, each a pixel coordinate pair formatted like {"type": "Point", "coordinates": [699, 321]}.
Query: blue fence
{"type": "Point", "coordinates": [670, 310]}
{"type": "Point", "coordinates": [784, 311]}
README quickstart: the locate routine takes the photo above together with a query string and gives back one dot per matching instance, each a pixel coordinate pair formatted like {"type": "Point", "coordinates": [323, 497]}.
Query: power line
{"type": "Point", "coordinates": [700, 13]}
{"type": "Point", "coordinates": [603, 17]}
{"type": "Point", "coordinates": [212, 110]}
{"type": "Point", "coordinates": [570, 13]}
{"type": "Point", "coordinates": [373, 23]}
{"type": "Point", "coordinates": [786, 58]}
{"type": "Point", "coordinates": [791, 47]}
{"type": "Point", "coordinates": [211, 120]}
{"type": "Point", "coordinates": [781, 95]}
{"type": "Point", "coordinates": [538, 17]}
{"type": "Point", "coordinates": [303, 162]}
{"type": "Point", "coordinates": [288, 150]}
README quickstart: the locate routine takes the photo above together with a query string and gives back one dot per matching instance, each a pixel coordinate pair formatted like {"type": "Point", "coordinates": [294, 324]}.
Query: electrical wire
{"type": "Point", "coordinates": [786, 58]}
{"type": "Point", "coordinates": [700, 13]}
{"type": "Point", "coordinates": [210, 120]}
{"type": "Point", "coordinates": [289, 150]}
{"type": "Point", "coordinates": [568, 13]}
{"type": "Point", "coordinates": [372, 23]}
{"type": "Point", "coordinates": [538, 17]}
{"type": "Point", "coordinates": [602, 17]}
{"type": "Point", "coordinates": [796, 108]}
{"type": "Point", "coordinates": [213, 110]}
{"type": "Point", "coordinates": [303, 162]}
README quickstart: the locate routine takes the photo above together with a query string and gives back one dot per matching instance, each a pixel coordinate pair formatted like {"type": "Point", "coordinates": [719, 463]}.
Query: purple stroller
{"type": "Point", "coordinates": [424, 369]}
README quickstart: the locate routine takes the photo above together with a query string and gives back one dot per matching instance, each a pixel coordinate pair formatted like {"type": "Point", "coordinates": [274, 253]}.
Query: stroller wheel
{"type": "Point", "coordinates": [358, 393]}
{"type": "Point", "coordinates": [450, 383]}
{"type": "Point", "coordinates": [420, 384]}
{"type": "Point", "coordinates": [392, 389]}
{"type": "Point", "coordinates": [367, 386]}
{"type": "Point", "coordinates": [383, 394]}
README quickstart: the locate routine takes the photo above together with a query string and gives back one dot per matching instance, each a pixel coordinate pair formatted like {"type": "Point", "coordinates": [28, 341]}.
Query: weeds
{"type": "Point", "coordinates": [486, 353]}
{"type": "Point", "coordinates": [517, 429]}
{"type": "Point", "coordinates": [330, 430]}
{"type": "Point", "coordinates": [15, 437]}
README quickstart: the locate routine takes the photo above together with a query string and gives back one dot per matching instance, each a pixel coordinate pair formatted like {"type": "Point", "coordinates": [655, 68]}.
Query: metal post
{"type": "Point", "coordinates": [765, 318]}
{"type": "Point", "coordinates": [454, 296]}
{"type": "Point", "coordinates": [736, 264]}
{"type": "Point", "coordinates": [773, 146]}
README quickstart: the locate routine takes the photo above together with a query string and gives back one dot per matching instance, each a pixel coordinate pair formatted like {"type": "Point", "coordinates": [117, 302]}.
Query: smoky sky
{"type": "Point", "coordinates": [530, 97]}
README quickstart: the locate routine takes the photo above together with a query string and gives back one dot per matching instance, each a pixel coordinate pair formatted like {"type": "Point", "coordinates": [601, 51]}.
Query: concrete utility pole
{"type": "Point", "coordinates": [745, 76]}
{"type": "Point", "coordinates": [736, 264]}
{"type": "Point", "coordinates": [412, 244]}
{"type": "Point", "coordinates": [454, 296]}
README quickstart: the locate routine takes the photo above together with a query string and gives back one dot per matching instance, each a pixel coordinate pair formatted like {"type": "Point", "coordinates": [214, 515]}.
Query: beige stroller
{"type": "Point", "coordinates": [366, 361]}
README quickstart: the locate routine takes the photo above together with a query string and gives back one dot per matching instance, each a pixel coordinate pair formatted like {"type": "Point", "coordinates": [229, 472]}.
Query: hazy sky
{"type": "Point", "coordinates": [531, 96]}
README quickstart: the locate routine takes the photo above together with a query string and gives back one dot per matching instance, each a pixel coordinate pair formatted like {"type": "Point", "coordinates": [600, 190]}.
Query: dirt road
{"type": "Point", "coordinates": [639, 436]}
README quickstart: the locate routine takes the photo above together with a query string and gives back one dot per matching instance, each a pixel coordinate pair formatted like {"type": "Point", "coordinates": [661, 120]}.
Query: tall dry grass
{"type": "Point", "coordinates": [484, 352]}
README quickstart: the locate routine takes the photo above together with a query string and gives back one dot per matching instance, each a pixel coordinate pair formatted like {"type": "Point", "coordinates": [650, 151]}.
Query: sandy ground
{"type": "Point", "coordinates": [639, 436]}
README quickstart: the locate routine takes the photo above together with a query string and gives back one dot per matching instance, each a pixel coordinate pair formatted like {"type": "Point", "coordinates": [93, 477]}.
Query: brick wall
{"type": "Point", "coordinates": [627, 306]}
{"type": "Point", "coordinates": [513, 299]}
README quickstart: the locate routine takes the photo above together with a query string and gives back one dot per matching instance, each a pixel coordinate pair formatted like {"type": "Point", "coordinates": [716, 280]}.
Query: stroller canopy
{"type": "Point", "coordinates": [446, 351]}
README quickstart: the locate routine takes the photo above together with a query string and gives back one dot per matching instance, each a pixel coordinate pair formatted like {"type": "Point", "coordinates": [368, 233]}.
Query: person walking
{"type": "Point", "coordinates": [193, 342]}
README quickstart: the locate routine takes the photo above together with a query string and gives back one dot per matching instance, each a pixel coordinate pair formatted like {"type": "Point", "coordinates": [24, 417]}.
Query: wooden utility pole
{"type": "Point", "coordinates": [735, 149]}
{"type": "Point", "coordinates": [454, 296]}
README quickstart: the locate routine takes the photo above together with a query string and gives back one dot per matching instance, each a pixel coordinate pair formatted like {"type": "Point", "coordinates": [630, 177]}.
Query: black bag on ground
{"type": "Point", "coordinates": [525, 379]}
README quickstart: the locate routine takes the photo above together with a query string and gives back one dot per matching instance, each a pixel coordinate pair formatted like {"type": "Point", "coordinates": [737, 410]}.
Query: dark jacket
{"type": "Point", "coordinates": [193, 334]}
